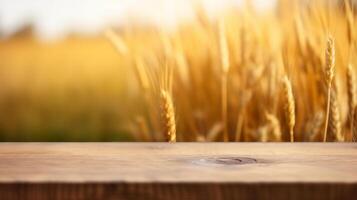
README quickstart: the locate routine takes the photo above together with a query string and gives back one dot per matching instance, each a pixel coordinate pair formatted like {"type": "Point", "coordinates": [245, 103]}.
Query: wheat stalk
{"type": "Point", "coordinates": [141, 74]}
{"type": "Point", "coordinates": [289, 106]}
{"type": "Point", "coordinates": [350, 23]}
{"type": "Point", "coordinates": [168, 116]}
{"type": "Point", "coordinates": [224, 55]}
{"type": "Point", "coordinates": [329, 74]}
{"type": "Point", "coordinates": [223, 46]}
{"type": "Point", "coordinates": [117, 41]}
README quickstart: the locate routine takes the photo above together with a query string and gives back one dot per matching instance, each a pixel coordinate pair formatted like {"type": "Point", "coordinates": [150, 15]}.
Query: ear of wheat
{"type": "Point", "coordinates": [351, 89]}
{"type": "Point", "coordinates": [330, 60]}
{"type": "Point", "coordinates": [168, 116]}
{"type": "Point", "coordinates": [289, 106]}
{"type": "Point", "coordinates": [334, 124]}
{"type": "Point", "coordinates": [329, 74]}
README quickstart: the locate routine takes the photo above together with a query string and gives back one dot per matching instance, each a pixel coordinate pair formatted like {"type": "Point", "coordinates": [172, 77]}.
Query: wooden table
{"type": "Point", "coordinates": [178, 171]}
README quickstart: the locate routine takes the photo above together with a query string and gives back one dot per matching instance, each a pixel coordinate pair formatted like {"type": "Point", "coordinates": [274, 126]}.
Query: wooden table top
{"type": "Point", "coordinates": [178, 162]}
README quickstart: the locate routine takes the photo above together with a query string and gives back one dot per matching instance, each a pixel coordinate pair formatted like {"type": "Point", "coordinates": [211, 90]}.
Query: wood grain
{"type": "Point", "coordinates": [178, 171]}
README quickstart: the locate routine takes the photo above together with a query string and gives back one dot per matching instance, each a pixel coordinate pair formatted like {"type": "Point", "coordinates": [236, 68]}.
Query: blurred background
{"type": "Point", "coordinates": [61, 79]}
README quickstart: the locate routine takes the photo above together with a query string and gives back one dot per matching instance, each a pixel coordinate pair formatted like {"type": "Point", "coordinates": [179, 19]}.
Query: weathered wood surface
{"type": "Point", "coordinates": [178, 171]}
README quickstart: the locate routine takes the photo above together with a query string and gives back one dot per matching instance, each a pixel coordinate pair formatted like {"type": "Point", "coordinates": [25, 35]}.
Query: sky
{"type": "Point", "coordinates": [55, 18]}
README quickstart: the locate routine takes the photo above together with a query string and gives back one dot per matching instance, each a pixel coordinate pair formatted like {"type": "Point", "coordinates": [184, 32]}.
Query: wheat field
{"type": "Point", "coordinates": [286, 74]}
{"type": "Point", "coordinates": [281, 75]}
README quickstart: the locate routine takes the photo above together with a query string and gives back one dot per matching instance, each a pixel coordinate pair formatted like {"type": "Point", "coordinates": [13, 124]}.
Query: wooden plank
{"type": "Point", "coordinates": [178, 171]}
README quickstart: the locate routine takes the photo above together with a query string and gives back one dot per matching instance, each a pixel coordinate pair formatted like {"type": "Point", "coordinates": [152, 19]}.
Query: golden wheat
{"type": "Point", "coordinates": [241, 61]}
{"type": "Point", "coordinates": [168, 116]}
{"type": "Point", "coordinates": [289, 107]}
{"type": "Point", "coordinates": [351, 89]}
{"type": "Point", "coordinates": [329, 74]}
{"type": "Point", "coordinates": [334, 124]}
